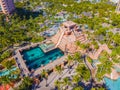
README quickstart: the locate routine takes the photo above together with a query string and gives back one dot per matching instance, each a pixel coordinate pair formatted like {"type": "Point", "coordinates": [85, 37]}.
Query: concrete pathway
{"type": "Point", "coordinates": [95, 55]}
{"type": "Point", "coordinates": [55, 76]}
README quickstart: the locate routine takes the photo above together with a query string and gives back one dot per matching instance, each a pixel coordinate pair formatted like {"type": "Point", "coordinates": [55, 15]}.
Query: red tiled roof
{"type": "Point", "coordinates": [5, 87]}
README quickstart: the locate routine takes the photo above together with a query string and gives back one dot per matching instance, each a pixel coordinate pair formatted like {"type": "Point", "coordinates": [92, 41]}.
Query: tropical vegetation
{"type": "Point", "coordinates": [97, 20]}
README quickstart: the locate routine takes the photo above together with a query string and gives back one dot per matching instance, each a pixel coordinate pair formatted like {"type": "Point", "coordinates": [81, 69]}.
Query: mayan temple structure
{"type": "Point", "coordinates": [7, 6]}
{"type": "Point", "coordinates": [67, 35]}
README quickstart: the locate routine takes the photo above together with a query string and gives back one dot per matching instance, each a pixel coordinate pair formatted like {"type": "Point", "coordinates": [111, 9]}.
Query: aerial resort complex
{"type": "Point", "coordinates": [60, 45]}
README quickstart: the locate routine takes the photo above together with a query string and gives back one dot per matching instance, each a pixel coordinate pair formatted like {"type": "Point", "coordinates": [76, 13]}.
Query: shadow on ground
{"type": "Point", "coordinates": [27, 14]}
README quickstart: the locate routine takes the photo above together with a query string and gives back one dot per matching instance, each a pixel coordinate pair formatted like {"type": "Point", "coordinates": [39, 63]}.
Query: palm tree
{"type": "Point", "coordinates": [4, 55]}
{"type": "Point", "coordinates": [93, 88]}
{"type": "Point", "coordinates": [26, 84]}
{"type": "Point", "coordinates": [44, 74]}
{"type": "Point", "coordinates": [7, 64]}
{"type": "Point", "coordinates": [70, 60]}
{"type": "Point", "coordinates": [77, 57]}
{"type": "Point", "coordinates": [66, 82]}
{"type": "Point", "coordinates": [58, 69]}
{"type": "Point", "coordinates": [79, 70]}
{"type": "Point", "coordinates": [76, 79]}
{"type": "Point", "coordinates": [5, 80]}
{"type": "Point", "coordinates": [57, 84]}
{"type": "Point", "coordinates": [83, 72]}
{"type": "Point", "coordinates": [15, 75]}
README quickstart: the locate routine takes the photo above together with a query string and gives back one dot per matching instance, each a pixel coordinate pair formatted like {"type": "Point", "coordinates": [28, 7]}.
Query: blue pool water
{"type": "Point", "coordinates": [112, 84]}
{"type": "Point", "coordinates": [35, 57]}
{"type": "Point", "coordinates": [6, 72]}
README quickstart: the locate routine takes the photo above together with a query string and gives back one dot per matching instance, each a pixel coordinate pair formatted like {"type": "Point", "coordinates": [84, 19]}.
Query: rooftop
{"type": "Point", "coordinates": [69, 23]}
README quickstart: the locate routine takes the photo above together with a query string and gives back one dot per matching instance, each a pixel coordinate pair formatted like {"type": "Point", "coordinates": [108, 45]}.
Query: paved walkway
{"type": "Point", "coordinates": [95, 55]}
{"type": "Point", "coordinates": [93, 71]}
{"type": "Point", "coordinates": [55, 76]}
{"type": "Point", "coordinates": [21, 63]}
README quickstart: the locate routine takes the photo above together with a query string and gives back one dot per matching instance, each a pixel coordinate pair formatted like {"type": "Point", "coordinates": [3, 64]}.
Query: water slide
{"type": "Point", "coordinates": [60, 38]}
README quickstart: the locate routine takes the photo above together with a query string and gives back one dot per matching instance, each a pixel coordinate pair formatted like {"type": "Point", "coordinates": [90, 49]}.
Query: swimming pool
{"type": "Point", "coordinates": [112, 84]}
{"type": "Point", "coordinates": [35, 57]}
{"type": "Point", "coordinates": [6, 72]}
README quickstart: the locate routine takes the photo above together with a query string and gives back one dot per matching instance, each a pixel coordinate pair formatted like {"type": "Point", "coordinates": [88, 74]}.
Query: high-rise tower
{"type": "Point", "coordinates": [7, 6]}
{"type": "Point", "coordinates": [118, 7]}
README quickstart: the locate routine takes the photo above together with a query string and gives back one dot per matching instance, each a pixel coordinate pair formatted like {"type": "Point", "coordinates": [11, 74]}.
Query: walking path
{"type": "Point", "coordinates": [55, 76]}
{"type": "Point", "coordinates": [93, 71]}
{"type": "Point", "coordinates": [94, 56]}
{"type": "Point", "coordinates": [21, 63]}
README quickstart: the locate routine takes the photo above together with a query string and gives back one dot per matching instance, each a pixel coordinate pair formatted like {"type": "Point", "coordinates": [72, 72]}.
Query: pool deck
{"type": "Point", "coordinates": [21, 63]}
{"type": "Point", "coordinates": [51, 65]}
{"type": "Point", "coordinates": [32, 45]}
{"type": "Point", "coordinates": [114, 75]}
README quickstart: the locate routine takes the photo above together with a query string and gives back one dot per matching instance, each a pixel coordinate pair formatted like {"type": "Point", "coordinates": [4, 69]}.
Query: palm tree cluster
{"type": "Point", "coordinates": [26, 84]}
{"type": "Point", "coordinates": [81, 77]}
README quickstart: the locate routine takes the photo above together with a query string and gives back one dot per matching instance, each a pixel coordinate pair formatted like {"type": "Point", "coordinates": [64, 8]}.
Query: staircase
{"type": "Point", "coordinates": [82, 38]}
{"type": "Point", "coordinates": [60, 39]}
{"type": "Point", "coordinates": [62, 45]}
{"type": "Point", "coordinates": [55, 38]}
